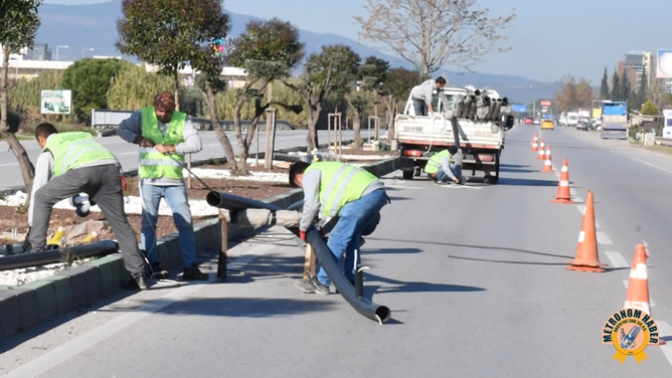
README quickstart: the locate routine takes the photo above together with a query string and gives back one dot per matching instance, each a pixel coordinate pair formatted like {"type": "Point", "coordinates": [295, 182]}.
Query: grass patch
{"type": "Point", "coordinates": [660, 148]}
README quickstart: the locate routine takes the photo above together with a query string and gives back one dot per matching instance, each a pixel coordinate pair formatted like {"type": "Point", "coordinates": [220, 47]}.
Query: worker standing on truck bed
{"type": "Point", "coordinates": [446, 166]}
{"type": "Point", "coordinates": [422, 96]}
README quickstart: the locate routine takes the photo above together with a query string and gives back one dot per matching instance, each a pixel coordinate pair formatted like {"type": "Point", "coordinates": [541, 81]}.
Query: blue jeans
{"type": "Point", "coordinates": [176, 197]}
{"type": "Point", "coordinates": [355, 218]}
{"type": "Point", "coordinates": [442, 176]}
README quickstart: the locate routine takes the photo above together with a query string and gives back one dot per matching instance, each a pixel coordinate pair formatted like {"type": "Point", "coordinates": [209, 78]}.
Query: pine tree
{"type": "Point", "coordinates": [625, 86]}
{"type": "Point", "coordinates": [615, 87]}
{"type": "Point", "coordinates": [643, 89]}
{"type": "Point", "coordinates": [604, 88]}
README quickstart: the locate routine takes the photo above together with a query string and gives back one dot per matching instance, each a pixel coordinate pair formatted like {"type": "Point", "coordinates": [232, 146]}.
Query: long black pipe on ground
{"type": "Point", "coordinates": [26, 260]}
{"type": "Point", "coordinates": [344, 287]}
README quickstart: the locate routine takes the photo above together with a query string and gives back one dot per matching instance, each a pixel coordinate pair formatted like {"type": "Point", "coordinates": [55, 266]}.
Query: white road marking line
{"type": "Point", "coordinates": [602, 238]}
{"type": "Point", "coordinates": [652, 165]}
{"type": "Point", "coordinates": [665, 330]}
{"type": "Point", "coordinates": [651, 302]}
{"type": "Point", "coordinates": [128, 153]}
{"type": "Point", "coordinates": [573, 191]}
{"type": "Point", "coordinates": [76, 346]}
{"type": "Point", "coordinates": [8, 165]}
{"type": "Point", "coordinates": [461, 187]}
{"type": "Point", "coordinates": [617, 260]}
{"type": "Point", "coordinates": [582, 209]}
{"type": "Point", "coordinates": [403, 187]}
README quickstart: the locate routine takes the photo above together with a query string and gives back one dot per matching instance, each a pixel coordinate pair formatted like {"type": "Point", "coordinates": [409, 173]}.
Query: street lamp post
{"type": "Point", "coordinates": [89, 49]}
{"type": "Point", "coordinates": [57, 47]}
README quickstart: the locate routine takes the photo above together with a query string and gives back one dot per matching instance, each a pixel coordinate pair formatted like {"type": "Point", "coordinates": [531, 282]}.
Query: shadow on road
{"type": "Point", "coordinates": [245, 307]}
{"type": "Point", "coordinates": [508, 181]}
{"type": "Point", "coordinates": [411, 286]}
{"type": "Point", "coordinates": [475, 247]}
{"type": "Point", "coordinates": [393, 251]}
{"type": "Point", "coordinates": [504, 261]}
{"type": "Point", "coordinates": [398, 198]}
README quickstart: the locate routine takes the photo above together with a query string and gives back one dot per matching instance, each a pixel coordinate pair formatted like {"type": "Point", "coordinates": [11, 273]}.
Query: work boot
{"type": "Point", "coordinates": [138, 283]}
{"type": "Point", "coordinates": [312, 286]}
{"type": "Point", "coordinates": [157, 271]}
{"type": "Point", "coordinates": [194, 274]}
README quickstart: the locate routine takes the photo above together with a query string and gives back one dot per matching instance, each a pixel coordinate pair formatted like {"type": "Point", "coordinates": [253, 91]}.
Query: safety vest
{"type": "Point", "coordinates": [435, 161]}
{"type": "Point", "coordinates": [340, 184]}
{"type": "Point", "coordinates": [74, 149]}
{"type": "Point", "coordinates": [154, 164]}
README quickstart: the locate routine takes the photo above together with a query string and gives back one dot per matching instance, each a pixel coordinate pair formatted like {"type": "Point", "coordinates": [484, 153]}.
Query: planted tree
{"type": "Point", "coordinates": [615, 87]}
{"type": "Point", "coordinates": [90, 80]}
{"type": "Point", "coordinates": [434, 33]}
{"type": "Point", "coordinates": [573, 95]}
{"type": "Point", "coordinates": [398, 86]}
{"type": "Point", "coordinates": [268, 50]}
{"type": "Point", "coordinates": [169, 33]}
{"type": "Point", "coordinates": [19, 21]}
{"type": "Point", "coordinates": [370, 76]}
{"type": "Point", "coordinates": [331, 70]}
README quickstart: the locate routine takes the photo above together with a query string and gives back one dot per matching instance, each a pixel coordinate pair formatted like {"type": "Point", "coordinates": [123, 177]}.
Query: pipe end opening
{"type": "Point", "coordinates": [213, 198]}
{"type": "Point", "coordinates": [383, 313]}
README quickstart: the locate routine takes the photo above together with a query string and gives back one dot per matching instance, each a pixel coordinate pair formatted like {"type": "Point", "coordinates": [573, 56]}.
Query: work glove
{"type": "Point", "coordinates": [302, 235]}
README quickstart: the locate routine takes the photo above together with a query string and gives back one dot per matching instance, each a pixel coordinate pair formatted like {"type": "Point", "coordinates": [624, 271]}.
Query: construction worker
{"type": "Point", "coordinates": [73, 163]}
{"type": "Point", "coordinates": [337, 189]}
{"type": "Point", "coordinates": [423, 94]}
{"type": "Point", "coordinates": [446, 166]}
{"type": "Point", "coordinates": [164, 136]}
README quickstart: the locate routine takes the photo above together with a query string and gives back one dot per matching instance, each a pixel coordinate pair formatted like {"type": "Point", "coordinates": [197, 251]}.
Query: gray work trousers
{"type": "Point", "coordinates": [420, 107]}
{"type": "Point", "coordinates": [103, 185]}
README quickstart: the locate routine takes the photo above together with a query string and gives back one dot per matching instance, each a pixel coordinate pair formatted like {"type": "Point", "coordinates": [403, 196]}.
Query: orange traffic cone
{"type": "Point", "coordinates": [563, 195]}
{"type": "Point", "coordinates": [541, 155]}
{"type": "Point", "coordinates": [637, 296]}
{"type": "Point", "coordinates": [535, 146]}
{"type": "Point", "coordinates": [587, 257]}
{"type": "Point", "coordinates": [548, 167]}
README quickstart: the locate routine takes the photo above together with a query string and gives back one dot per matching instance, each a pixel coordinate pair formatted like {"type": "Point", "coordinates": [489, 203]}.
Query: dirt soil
{"type": "Point", "coordinates": [10, 219]}
{"type": "Point", "coordinates": [249, 189]}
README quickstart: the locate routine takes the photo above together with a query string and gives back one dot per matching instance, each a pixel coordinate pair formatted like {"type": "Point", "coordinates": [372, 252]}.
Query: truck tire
{"type": "Point", "coordinates": [418, 171]}
{"type": "Point", "coordinates": [489, 179]}
{"type": "Point", "coordinates": [408, 175]}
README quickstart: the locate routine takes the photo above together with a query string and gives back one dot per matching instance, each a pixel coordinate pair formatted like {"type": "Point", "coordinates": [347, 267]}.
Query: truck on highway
{"type": "Point", "coordinates": [614, 120]}
{"type": "Point", "coordinates": [572, 119]}
{"type": "Point", "coordinates": [474, 119]}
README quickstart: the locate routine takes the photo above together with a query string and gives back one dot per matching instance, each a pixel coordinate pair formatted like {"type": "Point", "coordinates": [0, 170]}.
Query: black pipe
{"type": "Point", "coordinates": [26, 260]}
{"type": "Point", "coordinates": [344, 287]}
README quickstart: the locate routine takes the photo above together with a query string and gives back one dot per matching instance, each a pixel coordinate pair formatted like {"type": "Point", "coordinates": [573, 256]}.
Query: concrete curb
{"type": "Point", "coordinates": [84, 285]}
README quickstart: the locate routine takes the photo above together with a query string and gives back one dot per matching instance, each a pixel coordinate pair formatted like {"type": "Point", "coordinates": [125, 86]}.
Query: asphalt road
{"type": "Point", "coordinates": [128, 153]}
{"type": "Point", "coordinates": [475, 278]}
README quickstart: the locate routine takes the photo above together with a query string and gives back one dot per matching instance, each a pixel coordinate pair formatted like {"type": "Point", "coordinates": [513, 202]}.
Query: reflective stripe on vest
{"type": "Point", "coordinates": [340, 184]}
{"type": "Point", "coordinates": [74, 149]}
{"type": "Point", "coordinates": [435, 161]}
{"type": "Point", "coordinates": [154, 164]}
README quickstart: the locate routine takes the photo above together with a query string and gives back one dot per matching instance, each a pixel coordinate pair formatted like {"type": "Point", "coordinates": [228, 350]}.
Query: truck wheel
{"type": "Point", "coordinates": [418, 171]}
{"type": "Point", "coordinates": [408, 175]}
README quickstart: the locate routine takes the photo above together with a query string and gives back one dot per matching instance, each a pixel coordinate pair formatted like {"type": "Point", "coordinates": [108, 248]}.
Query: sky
{"type": "Point", "coordinates": [548, 39]}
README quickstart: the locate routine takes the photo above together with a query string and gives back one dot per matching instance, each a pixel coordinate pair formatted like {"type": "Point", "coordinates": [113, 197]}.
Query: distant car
{"type": "Point", "coordinates": [547, 124]}
{"type": "Point", "coordinates": [529, 121]}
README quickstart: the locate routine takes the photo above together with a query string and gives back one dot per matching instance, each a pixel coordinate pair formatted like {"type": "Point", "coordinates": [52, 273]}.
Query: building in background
{"type": "Point", "coordinates": [39, 51]}
{"type": "Point", "coordinates": [634, 67]}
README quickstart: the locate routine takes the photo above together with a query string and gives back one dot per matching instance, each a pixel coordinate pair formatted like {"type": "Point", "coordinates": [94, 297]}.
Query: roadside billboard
{"type": "Point", "coordinates": [664, 64]}
{"type": "Point", "coordinates": [545, 103]}
{"type": "Point", "coordinates": [519, 108]}
{"type": "Point", "coordinates": [56, 101]}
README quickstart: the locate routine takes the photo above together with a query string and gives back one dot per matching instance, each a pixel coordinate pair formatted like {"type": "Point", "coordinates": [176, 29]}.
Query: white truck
{"type": "Point", "coordinates": [572, 119]}
{"type": "Point", "coordinates": [479, 118]}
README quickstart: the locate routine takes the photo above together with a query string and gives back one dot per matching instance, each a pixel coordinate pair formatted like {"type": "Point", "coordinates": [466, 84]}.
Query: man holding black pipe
{"type": "Point", "coordinates": [337, 189]}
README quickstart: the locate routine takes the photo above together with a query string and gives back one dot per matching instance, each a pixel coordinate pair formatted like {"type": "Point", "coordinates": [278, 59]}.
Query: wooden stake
{"type": "Point", "coordinates": [223, 249]}
{"type": "Point", "coordinates": [309, 263]}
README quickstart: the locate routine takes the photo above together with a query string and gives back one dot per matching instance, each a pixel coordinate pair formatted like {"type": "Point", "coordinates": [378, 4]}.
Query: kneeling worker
{"type": "Point", "coordinates": [73, 163]}
{"type": "Point", "coordinates": [445, 166]}
{"type": "Point", "coordinates": [337, 189]}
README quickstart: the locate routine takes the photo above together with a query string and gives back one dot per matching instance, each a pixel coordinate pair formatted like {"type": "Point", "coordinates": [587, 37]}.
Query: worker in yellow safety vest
{"type": "Point", "coordinates": [72, 163]}
{"type": "Point", "coordinates": [164, 136]}
{"type": "Point", "coordinates": [340, 190]}
{"type": "Point", "coordinates": [446, 166]}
